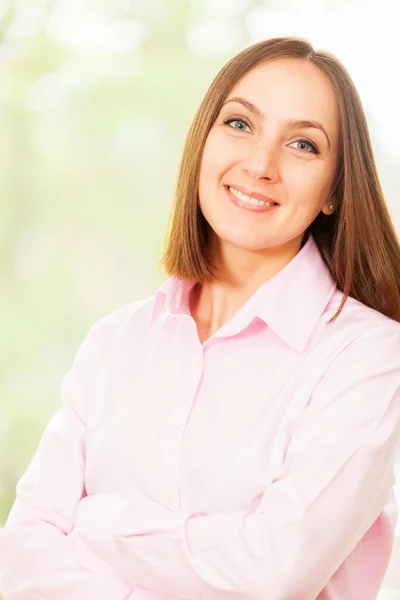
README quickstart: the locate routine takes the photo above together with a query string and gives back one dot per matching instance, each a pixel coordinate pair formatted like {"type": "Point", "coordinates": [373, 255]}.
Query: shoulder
{"type": "Point", "coordinates": [129, 321]}
{"type": "Point", "coordinates": [356, 358]}
{"type": "Point", "coordinates": [359, 318]}
{"type": "Point", "coordinates": [361, 330]}
{"type": "Point", "coordinates": [112, 341]}
{"type": "Point", "coordinates": [135, 313]}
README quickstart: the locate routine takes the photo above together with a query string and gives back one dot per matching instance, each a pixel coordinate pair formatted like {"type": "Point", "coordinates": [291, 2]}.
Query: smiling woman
{"type": "Point", "coordinates": [299, 138]}
{"type": "Point", "coordinates": [234, 435]}
{"type": "Point", "coordinates": [277, 156]}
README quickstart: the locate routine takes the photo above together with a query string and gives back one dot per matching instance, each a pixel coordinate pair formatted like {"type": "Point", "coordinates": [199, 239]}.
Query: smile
{"type": "Point", "coordinates": [249, 199]}
{"type": "Point", "coordinates": [249, 202]}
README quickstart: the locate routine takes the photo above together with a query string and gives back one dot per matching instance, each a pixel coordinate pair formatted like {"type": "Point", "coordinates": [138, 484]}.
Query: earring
{"type": "Point", "coordinates": [331, 206]}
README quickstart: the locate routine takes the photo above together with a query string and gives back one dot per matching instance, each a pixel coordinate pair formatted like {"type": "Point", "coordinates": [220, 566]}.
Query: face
{"type": "Point", "coordinates": [275, 140]}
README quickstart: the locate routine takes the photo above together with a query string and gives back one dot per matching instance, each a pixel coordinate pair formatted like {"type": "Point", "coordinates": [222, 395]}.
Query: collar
{"type": "Point", "coordinates": [290, 303]}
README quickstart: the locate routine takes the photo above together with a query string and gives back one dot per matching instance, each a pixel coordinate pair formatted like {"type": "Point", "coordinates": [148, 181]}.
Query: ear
{"type": "Point", "coordinates": [329, 207]}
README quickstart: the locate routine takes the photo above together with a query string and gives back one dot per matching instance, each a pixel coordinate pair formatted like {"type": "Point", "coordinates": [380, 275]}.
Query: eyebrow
{"type": "Point", "coordinates": [300, 123]}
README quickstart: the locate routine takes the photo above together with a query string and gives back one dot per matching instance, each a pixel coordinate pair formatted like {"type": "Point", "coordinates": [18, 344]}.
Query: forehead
{"type": "Point", "coordinates": [290, 88]}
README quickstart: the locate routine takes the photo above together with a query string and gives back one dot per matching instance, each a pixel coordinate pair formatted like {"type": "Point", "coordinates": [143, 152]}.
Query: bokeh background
{"type": "Point", "coordinates": [96, 98]}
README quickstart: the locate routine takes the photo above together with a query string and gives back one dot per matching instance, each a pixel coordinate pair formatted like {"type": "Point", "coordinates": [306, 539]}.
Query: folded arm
{"type": "Point", "coordinates": [336, 480]}
{"type": "Point", "coordinates": [39, 560]}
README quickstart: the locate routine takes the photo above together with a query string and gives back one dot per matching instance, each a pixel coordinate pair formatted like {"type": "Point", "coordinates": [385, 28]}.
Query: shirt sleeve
{"type": "Point", "coordinates": [39, 560]}
{"type": "Point", "coordinates": [142, 540]}
{"type": "Point", "coordinates": [337, 477]}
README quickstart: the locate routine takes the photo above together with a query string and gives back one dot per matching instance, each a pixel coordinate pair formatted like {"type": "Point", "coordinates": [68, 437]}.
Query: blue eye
{"type": "Point", "coordinates": [237, 124]}
{"type": "Point", "coordinates": [312, 148]}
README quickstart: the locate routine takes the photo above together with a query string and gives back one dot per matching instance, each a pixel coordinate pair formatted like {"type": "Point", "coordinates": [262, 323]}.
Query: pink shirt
{"type": "Point", "coordinates": [259, 465]}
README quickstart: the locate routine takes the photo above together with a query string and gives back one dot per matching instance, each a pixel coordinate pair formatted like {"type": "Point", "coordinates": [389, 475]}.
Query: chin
{"type": "Point", "coordinates": [239, 238]}
{"type": "Point", "coordinates": [246, 244]}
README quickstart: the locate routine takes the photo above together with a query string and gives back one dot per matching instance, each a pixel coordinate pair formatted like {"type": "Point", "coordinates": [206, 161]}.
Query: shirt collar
{"type": "Point", "coordinates": [291, 302]}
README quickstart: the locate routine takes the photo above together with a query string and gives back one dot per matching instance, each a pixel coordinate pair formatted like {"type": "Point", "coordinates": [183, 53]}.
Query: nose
{"type": "Point", "coordinates": [262, 163]}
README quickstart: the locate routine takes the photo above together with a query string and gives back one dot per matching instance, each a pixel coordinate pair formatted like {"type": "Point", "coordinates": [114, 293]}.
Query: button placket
{"type": "Point", "coordinates": [173, 443]}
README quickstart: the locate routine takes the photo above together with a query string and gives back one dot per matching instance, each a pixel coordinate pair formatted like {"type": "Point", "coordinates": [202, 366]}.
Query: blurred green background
{"type": "Point", "coordinates": [96, 98]}
{"type": "Point", "coordinates": [95, 102]}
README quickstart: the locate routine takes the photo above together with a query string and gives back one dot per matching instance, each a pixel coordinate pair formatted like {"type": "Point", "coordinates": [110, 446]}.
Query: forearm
{"type": "Point", "coordinates": [39, 561]}
{"type": "Point", "coordinates": [141, 540]}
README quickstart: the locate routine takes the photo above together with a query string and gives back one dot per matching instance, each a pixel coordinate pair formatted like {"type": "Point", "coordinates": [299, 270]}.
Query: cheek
{"type": "Point", "coordinates": [308, 181]}
{"type": "Point", "coordinates": [219, 155]}
{"type": "Point", "coordinates": [210, 170]}
{"type": "Point", "coordinates": [206, 165]}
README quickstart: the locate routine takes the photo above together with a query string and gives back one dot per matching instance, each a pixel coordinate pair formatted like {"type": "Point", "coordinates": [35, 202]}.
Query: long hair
{"type": "Point", "coordinates": [358, 242]}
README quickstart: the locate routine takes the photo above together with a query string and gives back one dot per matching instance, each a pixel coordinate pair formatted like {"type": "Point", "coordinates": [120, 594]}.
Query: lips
{"type": "Point", "coordinates": [249, 204]}
{"type": "Point", "coordinates": [252, 194]}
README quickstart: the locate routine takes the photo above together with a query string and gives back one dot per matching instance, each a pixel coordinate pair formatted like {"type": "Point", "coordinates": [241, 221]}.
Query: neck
{"type": "Point", "coordinates": [241, 273]}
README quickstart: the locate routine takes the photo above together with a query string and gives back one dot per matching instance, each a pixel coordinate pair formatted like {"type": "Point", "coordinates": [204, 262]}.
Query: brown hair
{"type": "Point", "coordinates": [358, 242]}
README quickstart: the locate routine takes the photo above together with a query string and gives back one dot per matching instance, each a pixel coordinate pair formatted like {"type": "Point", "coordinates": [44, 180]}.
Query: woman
{"type": "Point", "coordinates": [234, 435]}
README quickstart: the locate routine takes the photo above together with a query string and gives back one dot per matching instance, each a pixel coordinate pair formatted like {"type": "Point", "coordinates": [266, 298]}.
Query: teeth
{"type": "Point", "coordinates": [249, 199]}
